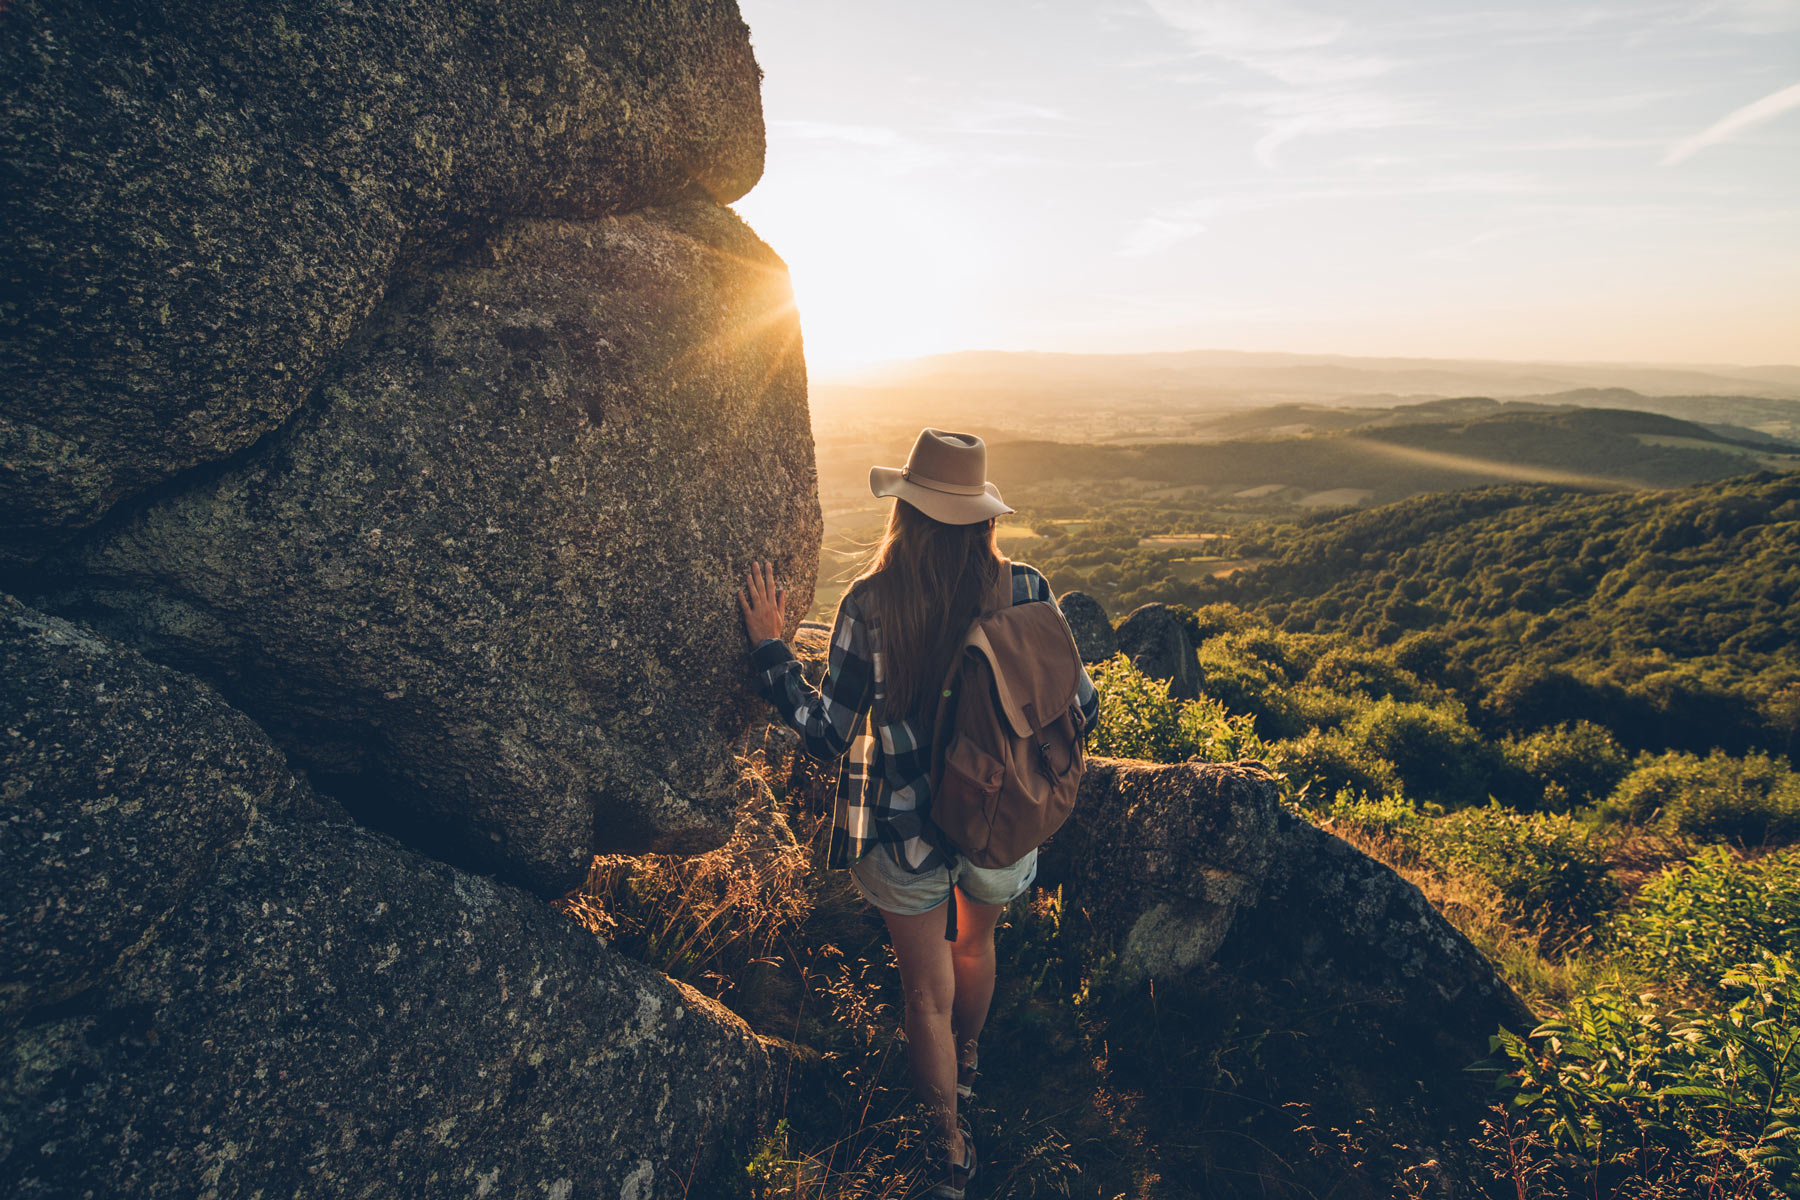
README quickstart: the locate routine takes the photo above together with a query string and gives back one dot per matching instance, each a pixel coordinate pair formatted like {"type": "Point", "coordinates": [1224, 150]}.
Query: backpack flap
{"type": "Point", "coordinates": [1032, 675]}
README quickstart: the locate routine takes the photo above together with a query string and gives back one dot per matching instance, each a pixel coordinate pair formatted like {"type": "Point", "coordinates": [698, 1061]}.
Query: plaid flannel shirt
{"type": "Point", "coordinates": [883, 793]}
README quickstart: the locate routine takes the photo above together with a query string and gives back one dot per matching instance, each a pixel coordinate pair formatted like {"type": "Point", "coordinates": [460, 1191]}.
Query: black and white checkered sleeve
{"type": "Point", "coordinates": [825, 718]}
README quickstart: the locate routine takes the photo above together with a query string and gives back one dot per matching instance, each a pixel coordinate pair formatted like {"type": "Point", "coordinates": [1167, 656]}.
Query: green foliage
{"type": "Point", "coordinates": [1365, 672]}
{"type": "Point", "coordinates": [1390, 816]}
{"type": "Point", "coordinates": [1435, 753]}
{"type": "Point", "coordinates": [1668, 618]}
{"type": "Point", "coordinates": [1246, 683]}
{"type": "Point", "coordinates": [1571, 766]}
{"type": "Point", "coordinates": [1326, 763]}
{"type": "Point", "coordinates": [1619, 1084]}
{"type": "Point", "coordinates": [1754, 799]}
{"type": "Point", "coordinates": [1690, 924]}
{"type": "Point", "coordinates": [1545, 866]}
{"type": "Point", "coordinates": [1138, 719]}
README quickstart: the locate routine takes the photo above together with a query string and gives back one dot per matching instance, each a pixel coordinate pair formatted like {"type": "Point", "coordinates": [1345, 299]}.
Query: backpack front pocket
{"type": "Point", "coordinates": [963, 805]}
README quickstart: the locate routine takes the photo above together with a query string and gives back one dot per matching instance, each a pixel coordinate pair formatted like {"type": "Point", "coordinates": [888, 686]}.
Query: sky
{"type": "Point", "coordinates": [1559, 180]}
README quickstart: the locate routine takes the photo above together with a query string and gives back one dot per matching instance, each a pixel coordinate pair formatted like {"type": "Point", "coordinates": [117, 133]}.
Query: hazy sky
{"type": "Point", "coordinates": [1615, 180]}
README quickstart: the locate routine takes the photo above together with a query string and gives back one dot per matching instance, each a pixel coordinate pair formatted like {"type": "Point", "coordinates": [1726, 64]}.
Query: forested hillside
{"type": "Point", "coordinates": [1668, 617]}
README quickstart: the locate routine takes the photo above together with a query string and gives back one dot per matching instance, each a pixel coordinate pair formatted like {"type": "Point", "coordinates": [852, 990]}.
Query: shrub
{"type": "Point", "coordinates": [1324, 763]}
{"type": "Point", "coordinates": [1389, 816]}
{"type": "Point", "coordinates": [1435, 752]}
{"type": "Point", "coordinates": [1364, 672]}
{"type": "Point", "coordinates": [1247, 684]}
{"type": "Point", "coordinates": [1573, 765]}
{"type": "Point", "coordinates": [1546, 867]}
{"type": "Point", "coordinates": [1754, 799]}
{"type": "Point", "coordinates": [1139, 719]}
{"type": "Point", "coordinates": [1620, 1097]}
{"type": "Point", "coordinates": [1697, 919]}
{"type": "Point", "coordinates": [1211, 619]}
{"type": "Point", "coordinates": [1289, 655]}
{"type": "Point", "coordinates": [1318, 708]}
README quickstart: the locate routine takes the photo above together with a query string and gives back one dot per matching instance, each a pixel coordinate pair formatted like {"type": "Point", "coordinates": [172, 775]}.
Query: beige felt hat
{"type": "Point", "coordinates": [945, 477]}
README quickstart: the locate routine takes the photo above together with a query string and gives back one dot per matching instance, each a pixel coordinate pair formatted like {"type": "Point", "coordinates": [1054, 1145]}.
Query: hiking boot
{"type": "Point", "coordinates": [965, 1078]}
{"type": "Point", "coordinates": [957, 1174]}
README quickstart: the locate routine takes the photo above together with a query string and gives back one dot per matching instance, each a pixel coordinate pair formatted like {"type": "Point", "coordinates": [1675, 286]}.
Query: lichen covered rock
{"type": "Point", "coordinates": [125, 783]}
{"type": "Point", "coordinates": [204, 199]}
{"type": "Point", "coordinates": [1157, 642]}
{"type": "Point", "coordinates": [1088, 621]}
{"type": "Point", "coordinates": [333, 1015]}
{"type": "Point", "coordinates": [1194, 877]}
{"type": "Point", "coordinates": [484, 588]}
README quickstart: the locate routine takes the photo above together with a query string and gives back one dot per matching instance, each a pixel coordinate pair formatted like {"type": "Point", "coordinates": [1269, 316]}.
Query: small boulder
{"type": "Point", "coordinates": [1093, 631]}
{"type": "Point", "coordinates": [1157, 642]}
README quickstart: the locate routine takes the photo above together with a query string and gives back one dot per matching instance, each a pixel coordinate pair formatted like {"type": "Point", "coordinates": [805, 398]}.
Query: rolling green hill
{"type": "Point", "coordinates": [1672, 617]}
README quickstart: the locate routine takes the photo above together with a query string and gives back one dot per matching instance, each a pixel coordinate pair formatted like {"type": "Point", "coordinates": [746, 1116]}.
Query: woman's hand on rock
{"type": "Point", "coordinates": [761, 603]}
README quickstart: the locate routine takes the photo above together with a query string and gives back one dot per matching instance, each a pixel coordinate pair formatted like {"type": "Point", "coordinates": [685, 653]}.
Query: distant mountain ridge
{"type": "Point", "coordinates": [1594, 447]}
{"type": "Point", "coordinates": [1100, 397]}
{"type": "Point", "coordinates": [1328, 373]}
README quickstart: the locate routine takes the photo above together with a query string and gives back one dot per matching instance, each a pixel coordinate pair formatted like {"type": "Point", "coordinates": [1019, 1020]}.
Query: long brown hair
{"type": "Point", "coordinates": [927, 580]}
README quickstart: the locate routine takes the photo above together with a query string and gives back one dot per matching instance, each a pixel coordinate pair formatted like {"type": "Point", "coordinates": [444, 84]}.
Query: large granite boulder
{"type": "Point", "coordinates": [203, 199]}
{"type": "Point", "coordinates": [125, 783]}
{"type": "Point", "coordinates": [484, 588]}
{"type": "Point", "coordinates": [215, 984]}
{"type": "Point", "coordinates": [1088, 621]}
{"type": "Point", "coordinates": [1156, 640]}
{"type": "Point", "coordinates": [333, 1015]}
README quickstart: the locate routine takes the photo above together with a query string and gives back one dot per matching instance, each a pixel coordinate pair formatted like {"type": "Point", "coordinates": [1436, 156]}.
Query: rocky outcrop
{"type": "Point", "coordinates": [336, 1013]}
{"type": "Point", "coordinates": [1197, 865]}
{"type": "Point", "coordinates": [1157, 642]}
{"type": "Point", "coordinates": [304, 1007]}
{"type": "Point", "coordinates": [484, 589]}
{"type": "Point", "coordinates": [388, 397]}
{"type": "Point", "coordinates": [1166, 856]}
{"type": "Point", "coordinates": [204, 199]}
{"type": "Point", "coordinates": [125, 784]}
{"type": "Point", "coordinates": [1093, 631]}
{"type": "Point", "coordinates": [1194, 876]}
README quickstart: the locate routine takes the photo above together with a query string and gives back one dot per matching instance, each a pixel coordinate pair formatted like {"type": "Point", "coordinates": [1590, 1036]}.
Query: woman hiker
{"type": "Point", "coordinates": [896, 629]}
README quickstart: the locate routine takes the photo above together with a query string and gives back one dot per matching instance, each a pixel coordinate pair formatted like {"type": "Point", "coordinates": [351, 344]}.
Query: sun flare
{"type": "Point", "coordinates": [875, 277]}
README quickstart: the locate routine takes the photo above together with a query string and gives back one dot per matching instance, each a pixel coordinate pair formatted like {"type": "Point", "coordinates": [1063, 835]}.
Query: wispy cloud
{"type": "Point", "coordinates": [890, 151]}
{"type": "Point", "coordinates": [1009, 117]}
{"type": "Point", "coordinates": [1734, 123]}
{"type": "Point", "coordinates": [1152, 235]}
{"type": "Point", "coordinates": [1324, 80]}
{"type": "Point", "coordinates": [1301, 113]}
{"type": "Point", "coordinates": [1276, 39]}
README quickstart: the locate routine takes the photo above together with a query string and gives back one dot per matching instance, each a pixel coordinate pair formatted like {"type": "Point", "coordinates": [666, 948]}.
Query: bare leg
{"type": "Point", "coordinates": [972, 964]}
{"type": "Point", "coordinates": [930, 986]}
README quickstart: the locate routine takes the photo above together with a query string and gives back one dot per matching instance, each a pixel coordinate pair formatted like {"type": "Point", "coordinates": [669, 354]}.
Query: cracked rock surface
{"type": "Point", "coordinates": [217, 985]}
{"type": "Point", "coordinates": [203, 199]}
{"type": "Point", "coordinates": [484, 590]}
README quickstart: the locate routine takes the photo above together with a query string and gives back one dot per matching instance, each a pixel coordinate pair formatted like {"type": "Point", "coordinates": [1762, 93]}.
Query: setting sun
{"type": "Point", "coordinates": [1608, 183]}
{"type": "Point", "coordinates": [878, 274]}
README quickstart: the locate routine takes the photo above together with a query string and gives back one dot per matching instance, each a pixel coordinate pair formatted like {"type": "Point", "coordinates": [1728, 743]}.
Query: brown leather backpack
{"type": "Point", "coordinates": [1007, 747]}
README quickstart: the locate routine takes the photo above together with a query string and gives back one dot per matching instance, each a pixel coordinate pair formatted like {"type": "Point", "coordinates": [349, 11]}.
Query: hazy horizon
{"type": "Point", "coordinates": [851, 372]}
{"type": "Point", "coordinates": [1527, 182]}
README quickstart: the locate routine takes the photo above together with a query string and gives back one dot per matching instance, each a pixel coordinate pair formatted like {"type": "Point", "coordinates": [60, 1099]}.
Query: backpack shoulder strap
{"type": "Point", "coordinates": [1000, 595]}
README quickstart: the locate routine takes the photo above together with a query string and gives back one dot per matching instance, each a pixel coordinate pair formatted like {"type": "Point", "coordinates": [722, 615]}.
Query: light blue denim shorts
{"type": "Point", "coordinates": [891, 888]}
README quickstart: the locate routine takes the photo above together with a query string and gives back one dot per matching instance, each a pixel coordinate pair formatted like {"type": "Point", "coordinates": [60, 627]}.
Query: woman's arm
{"type": "Point", "coordinates": [825, 717]}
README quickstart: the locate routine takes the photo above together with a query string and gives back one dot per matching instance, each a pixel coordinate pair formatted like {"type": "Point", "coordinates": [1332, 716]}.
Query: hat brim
{"type": "Point", "coordinates": [939, 506]}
